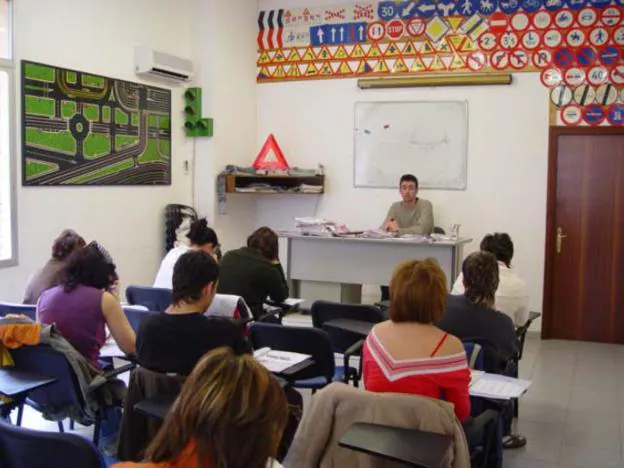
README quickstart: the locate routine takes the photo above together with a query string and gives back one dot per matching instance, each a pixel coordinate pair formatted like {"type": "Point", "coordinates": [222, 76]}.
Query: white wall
{"type": "Point", "coordinates": [507, 159]}
{"type": "Point", "coordinates": [224, 42]}
{"type": "Point", "coordinates": [99, 36]}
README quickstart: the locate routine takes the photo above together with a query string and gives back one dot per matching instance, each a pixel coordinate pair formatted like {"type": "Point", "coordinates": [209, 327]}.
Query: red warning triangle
{"type": "Point", "coordinates": [270, 156]}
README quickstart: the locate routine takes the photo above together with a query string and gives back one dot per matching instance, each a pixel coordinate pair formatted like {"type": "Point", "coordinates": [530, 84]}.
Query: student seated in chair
{"type": "Point", "coordinates": [408, 353]}
{"type": "Point", "coordinates": [511, 295]}
{"type": "Point", "coordinates": [201, 237]}
{"type": "Point", "coordinates": [254, 272]}
{"type": "Point", "coordinates": [231, 413]}
{"type": "Point", "coordinates": [50, 274]}
{"type": "Point", "coordinates": [412, 215]}
{"type": "Point", "coordinates": [173, 341]}
{"type": "Point", "coordinates": [85, 303]}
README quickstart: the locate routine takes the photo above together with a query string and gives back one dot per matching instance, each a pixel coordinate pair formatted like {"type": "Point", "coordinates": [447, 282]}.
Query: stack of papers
{"type": "Point", "coordinates": [279, 361]}
{"type": "Point", "coordinates": [497, 387]}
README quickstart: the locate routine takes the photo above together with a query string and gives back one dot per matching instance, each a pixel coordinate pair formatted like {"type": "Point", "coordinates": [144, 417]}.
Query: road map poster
{"type": "Point", "coordinates": [84, 129]}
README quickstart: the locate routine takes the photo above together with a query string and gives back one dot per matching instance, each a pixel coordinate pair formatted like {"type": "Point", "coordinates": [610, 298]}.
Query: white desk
{"type": "Point", "coordinates": [335, 268]}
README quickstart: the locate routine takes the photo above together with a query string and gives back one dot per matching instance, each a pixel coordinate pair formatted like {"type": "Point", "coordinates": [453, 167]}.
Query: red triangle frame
{"type": "Point", "coordinates": [270, 144]}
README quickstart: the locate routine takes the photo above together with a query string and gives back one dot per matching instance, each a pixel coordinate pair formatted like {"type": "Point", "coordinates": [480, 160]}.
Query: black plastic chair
{"type": "Point", "coordinates": [156, 299]}
{"type": "Point", "coordinates": [66, 392]}
{"type": "Point", "coordinates": [522, 331]}
{"type": "Point", "coordinates": [30, 310]}
{"type": "Point", "coordinates": [344, 342]}
{"type": "Point", "coordinates": [304, 340]}
{"type": "Point", "coordinates": [25, 448]}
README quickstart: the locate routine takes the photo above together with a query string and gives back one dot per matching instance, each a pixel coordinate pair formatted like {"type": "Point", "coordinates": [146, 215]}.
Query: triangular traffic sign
{"type": "Point", "coordinates": [270, 156]}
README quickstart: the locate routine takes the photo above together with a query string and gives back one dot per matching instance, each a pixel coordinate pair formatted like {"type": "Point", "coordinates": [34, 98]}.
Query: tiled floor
{"type": "Point", "coordinates": [572, 416]}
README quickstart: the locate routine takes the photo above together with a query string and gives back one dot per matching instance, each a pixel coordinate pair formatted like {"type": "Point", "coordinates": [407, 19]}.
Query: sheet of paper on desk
{"type": "Point", "coordinates": [498, 387]}
{"type": "Point", "coordinates": [278, 361]}
{"type": "Point", "coordinates": [293, 301]}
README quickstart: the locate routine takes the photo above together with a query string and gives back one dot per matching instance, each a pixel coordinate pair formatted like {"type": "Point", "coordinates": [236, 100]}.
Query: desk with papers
{"type": "Point", "coordinates": [335, 268]}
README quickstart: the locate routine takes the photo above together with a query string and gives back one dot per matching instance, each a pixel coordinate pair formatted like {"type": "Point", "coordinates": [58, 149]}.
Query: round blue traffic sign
{"type": "Point", "coordinates": [509, 6]}
{"type": "Point", "coordinates": [586, 56]}
{"type": "Point", "coordinates": [564, 57]}
{"type": "Point", "coordinates": [616, 115]}
{"type": "Point", "coordinates": [594, 114]}
{"type": "Point", "coordinates": [600, 3]}
{"type": "Point", "coordinates": [555, 5]}
{"type": "Point", "coordinates": [576, 4]}
{"type": "Point", "coordinates": [609, 55]}
{"type": "Point", "coordinates": [532, 5]}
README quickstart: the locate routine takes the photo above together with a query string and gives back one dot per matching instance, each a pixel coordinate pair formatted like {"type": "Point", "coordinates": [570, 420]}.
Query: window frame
{"type": "Point", "coordinates": [8, 65]}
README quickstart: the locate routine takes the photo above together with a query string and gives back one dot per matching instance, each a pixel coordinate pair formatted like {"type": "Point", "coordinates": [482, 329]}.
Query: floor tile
{"type": "Point", "coordinates": [582, 457]}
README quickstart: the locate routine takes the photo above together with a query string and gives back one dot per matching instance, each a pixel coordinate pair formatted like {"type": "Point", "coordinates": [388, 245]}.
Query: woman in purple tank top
{"type": "Point", "coordinates": [84, 303]}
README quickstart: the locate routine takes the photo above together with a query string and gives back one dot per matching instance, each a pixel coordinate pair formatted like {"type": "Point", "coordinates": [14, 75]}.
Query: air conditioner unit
{"type": "Point", "coordinates": [151, 62]}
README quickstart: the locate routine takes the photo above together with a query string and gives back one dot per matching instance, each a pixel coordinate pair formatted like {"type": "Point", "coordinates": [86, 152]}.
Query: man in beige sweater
{"type": "Point", "coordinates": [413, 215]}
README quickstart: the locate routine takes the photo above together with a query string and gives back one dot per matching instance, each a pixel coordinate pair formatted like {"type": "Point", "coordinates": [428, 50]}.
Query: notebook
{"type": "Point", "coordinates": [279, 361]}
{"type": "Point", "coordinates": [497, 387]}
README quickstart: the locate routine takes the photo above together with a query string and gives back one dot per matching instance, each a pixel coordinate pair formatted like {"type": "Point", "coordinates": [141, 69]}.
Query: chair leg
{"type": "Point", "coordinates": [96, 430]}
{"type": "Point", "coordinates": [20, 413]}
{"type": "Point", "coordinates": [71, 424]}
{"type": "Point", "coordinates": [60, 426]}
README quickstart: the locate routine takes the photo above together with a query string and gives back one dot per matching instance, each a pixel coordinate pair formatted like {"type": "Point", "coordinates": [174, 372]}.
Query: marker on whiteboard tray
{"type": "Point", "coordinates": [367, 131]}
{"type": "Point", "coordinates": [386, 126]}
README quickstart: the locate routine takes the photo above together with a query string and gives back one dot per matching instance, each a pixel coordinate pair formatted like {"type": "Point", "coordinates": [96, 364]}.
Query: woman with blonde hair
{"type": "Point", "coordinates": [231, 413]}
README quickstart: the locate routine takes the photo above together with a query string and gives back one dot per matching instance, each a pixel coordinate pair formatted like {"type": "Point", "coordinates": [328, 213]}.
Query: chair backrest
{"type": "Point", "coordinates": [156, 299]}
{"type": "Point", "coordinates": [30, 310]}
{"type": "Point", "coordinates": [323, 311]}
{"type": "Point", "coordinates": [491, 361]}
{"type": "Point", "coordinates": [135, 314]}
{"type": "Point", "coordinates": [474, 353]}
{"type": "Point", "coordinates": [229, 306]}
{"type": "Point", "coordinates": [42, 359]}
{"type": "Point", "coordinates": [21, 447]}
{"type": "Point", "coordinates": [303, 340]}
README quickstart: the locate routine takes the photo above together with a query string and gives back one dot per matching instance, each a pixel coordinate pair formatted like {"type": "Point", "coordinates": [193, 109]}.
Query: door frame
{"type": "Point", "coordinates": [551, 213]}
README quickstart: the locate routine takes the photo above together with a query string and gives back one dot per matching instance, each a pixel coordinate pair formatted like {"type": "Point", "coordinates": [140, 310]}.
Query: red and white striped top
{"type": "Point", "coordinates": [442, 377]}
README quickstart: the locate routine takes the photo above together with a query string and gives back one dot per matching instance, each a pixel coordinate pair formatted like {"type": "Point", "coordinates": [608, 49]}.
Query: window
{"type": "Point", "coordinates": [8, 226]}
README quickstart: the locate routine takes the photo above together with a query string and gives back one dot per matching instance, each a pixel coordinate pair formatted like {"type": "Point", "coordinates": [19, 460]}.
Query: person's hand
{"type": "Point", "coordinates": [392, 226]}
{"type": "Point", "coordinates": [17, 316]}
{"type": "Point", "coordinates": [275, 261]}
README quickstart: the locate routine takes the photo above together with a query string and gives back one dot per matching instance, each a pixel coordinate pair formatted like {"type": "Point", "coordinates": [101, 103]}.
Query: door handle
{"type": "Point", "coordinates": [560, 237]}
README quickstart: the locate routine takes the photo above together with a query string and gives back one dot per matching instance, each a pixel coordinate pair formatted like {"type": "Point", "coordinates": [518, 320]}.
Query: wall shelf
{"type": "Point", "coordinates": [274, 184]}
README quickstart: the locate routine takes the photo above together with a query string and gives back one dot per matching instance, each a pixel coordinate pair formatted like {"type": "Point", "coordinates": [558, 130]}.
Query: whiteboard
{"type": "Point", "coordinates": [424, 138]}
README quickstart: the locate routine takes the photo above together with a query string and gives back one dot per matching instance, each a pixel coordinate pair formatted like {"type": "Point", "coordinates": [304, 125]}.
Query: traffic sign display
{"type": "Point", "coordinates": [617, 75]}
{"type": "Point", "coordinates": [542, 19]}
{"type": "Point", "coordinates": [611, 16]}
{"type": "Point", "coordinates": [476, 61]}
{"type": "Point", "coordinates": [499, 22]}
{"type": "Point", "coordinates": [585, 95]}
{"type": "Point", "coordinates": [587, 17]}
{"type": "Point", "coordinates": [416, 27]}
{"type": "Point", "coordinates": [542, 58]}
{"type": "Point", "coordinates": [597, 75]}
{"type": "Point", "coordinates": [552, 38]}
{"type": "Point", "coordinates": [575, 37]}
{"type": "Point", "coordinates": [615, 115]}
{"type": "Point", "coordinates": [594, 114]}
{"type": "Point", "coordinates": [576, 4]}
{"type": "Point", "coordinates": [519, 59]}
{"type": "Point", "coordinates": [564, 57]}
{"type": "Point", "coordinates": [609, 55]}
{"type": "Point", "coordinates": [508, 40]}
{"type": "Point", "coordinates": [499, 59]}
{"type": "Point", "coordinates": [564, 19]}
{"type": "Point", "coordinates": [376, 31]}
{"type": "Point", "coordinates": [574, 77]}
{"type": "Point", "coordinates": [599, 36]}
{"type": "Point", "coordinates": [551, 77]}
{"type": "Point", "coordinates": [586, 56]}
{"type": "Point", "coordinates": [395, 29]}
{"type": "Point", "coordinates": [531, 39]}
{"type": "Point", "coordinates": [487, 41]}
{"type": "Point", "coordinates": [606, 94]}
{"type": "Point", "coordinates": [571, 115]}
{"type": "Point", "coordinates": [520, 21]}
{"type": "Point", "coordinates": [561, 96]}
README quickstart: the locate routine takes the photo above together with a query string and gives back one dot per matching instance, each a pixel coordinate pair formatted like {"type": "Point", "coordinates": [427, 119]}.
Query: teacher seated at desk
{"type": "Point", "coordinates": [255, 272]}
{"type": "Point", "coordinates": [413, 215]}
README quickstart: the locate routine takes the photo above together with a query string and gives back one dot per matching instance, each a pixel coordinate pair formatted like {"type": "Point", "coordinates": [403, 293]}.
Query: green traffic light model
{"type": "Point", "coordinates": [195, 125]}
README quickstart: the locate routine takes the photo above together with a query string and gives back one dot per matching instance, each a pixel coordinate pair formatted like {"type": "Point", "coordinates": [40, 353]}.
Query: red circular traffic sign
{"type": "Point", "coordinates": [476, 61]}
{"type": "Point", "coordinates": [376, 31]}
{"type": "Point", "coordinates": [551, 77]}
{"type": "Point", "coordinates": [499, 22]}
{"type": "Point", "coordinates": [571, 115]}
{"type": "Point", "coordinates": [416, 27]}
{"type": "Point", "coordinates": [574, 77]}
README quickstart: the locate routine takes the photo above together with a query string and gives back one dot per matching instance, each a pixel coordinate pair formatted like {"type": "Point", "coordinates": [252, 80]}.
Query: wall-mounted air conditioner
{"type": "Point", "coordinates": [149, 62]}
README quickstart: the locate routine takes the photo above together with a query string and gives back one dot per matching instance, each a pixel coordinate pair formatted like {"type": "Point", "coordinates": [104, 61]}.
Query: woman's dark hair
{"type": "Point", "coordinates": [87, 267]}
{"type": "Point", "coordinates": [200, 234]}
{"type": "Point", "coordinates": [231, 413]}
{"type": "Point", "coordinates": [66, 242]}
{"type": "Point", "coordinates": [500, 245]}
{"type": "Point", "coordinates": [193, 271]}
{"type": "Point", "coordinates": [480, 270]}
{"type": "Point", "coordinates": [264, 239]}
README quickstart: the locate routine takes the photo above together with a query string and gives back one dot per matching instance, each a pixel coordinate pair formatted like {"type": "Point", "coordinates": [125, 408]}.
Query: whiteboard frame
{"type": "Point", "coordinates": [420, 184]}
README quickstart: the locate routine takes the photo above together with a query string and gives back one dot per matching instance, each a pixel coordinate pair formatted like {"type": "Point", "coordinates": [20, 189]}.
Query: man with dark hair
{"type": "Point", "coordinates": [173, 342]}
{"type": "Point", "coordinates": [200, 237]}
{"type": "Point", "coordinates": [412, 215]}
{"type": "Point", "coordinates": [473, 316]}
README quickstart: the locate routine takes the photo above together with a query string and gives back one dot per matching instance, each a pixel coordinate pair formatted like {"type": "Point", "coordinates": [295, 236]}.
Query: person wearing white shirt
{"type": "Point", "coordinates": [511, 296]}
{"type": "Point", "coordinates": [200, 237]}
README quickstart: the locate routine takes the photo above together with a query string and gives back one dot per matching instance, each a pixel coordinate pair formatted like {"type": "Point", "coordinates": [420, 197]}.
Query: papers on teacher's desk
{"type": "Point", "coordinates": [496, 387]}
{"type": "Point", "coordinates": [278, 361]}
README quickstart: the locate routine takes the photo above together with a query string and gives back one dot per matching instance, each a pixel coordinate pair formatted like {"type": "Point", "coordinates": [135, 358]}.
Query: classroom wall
{"type": "Point", "coordinates": [507, 159]}
{"type": "Point", "coordinates": [100, 37]}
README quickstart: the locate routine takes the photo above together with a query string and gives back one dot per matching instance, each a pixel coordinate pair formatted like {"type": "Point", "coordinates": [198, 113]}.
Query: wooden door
{"type": "Point", "coordinates": [584, 272]}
